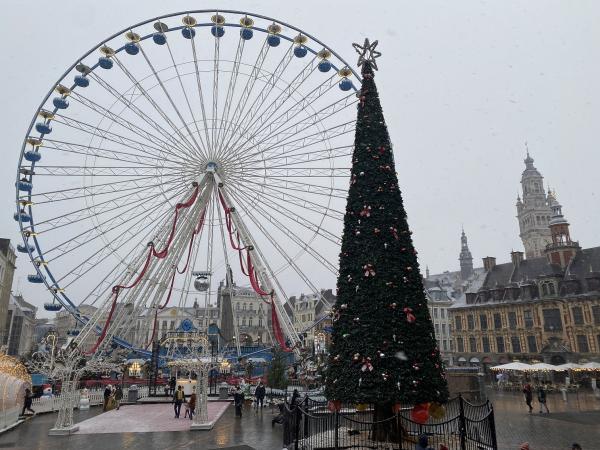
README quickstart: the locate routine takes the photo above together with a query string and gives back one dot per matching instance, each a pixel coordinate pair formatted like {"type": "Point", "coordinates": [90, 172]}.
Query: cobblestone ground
{"type": "Point", "coordinates": [576, 420]}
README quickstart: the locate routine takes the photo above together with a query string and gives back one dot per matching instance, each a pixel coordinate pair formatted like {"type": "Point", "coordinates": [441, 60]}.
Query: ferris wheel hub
{"type": "Point", "coordinates": [212, 167]}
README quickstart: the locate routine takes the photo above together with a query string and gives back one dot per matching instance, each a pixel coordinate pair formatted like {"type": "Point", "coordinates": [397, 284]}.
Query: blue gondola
{"type": "Point", "coordinates": [159, 38]}
{"type": "Point", "coordinates": [24, 185]}
{"type": "Point", "coordinates": [105, 63]}
{"type": "Point", "coordinates": [217, 31]}
{"type": "Point", "coordinates": [23, 216]}
{"type": "Point", "coordinates": [60, 102]}
{"type": "Point", "coordinates": [43, 127]}
{"type": "Point", "coordinates": [25, 249]}
{"type": "Point", "coordinates": [273, 40]}
{"type": "Point", "coordinates": [52, 306]}
{"type": "Point", "coordinates": [345, 84]}
{"type": "Point", "coordinates": [188, 32]}
{"type": "Point", "coordinates": [32, 156]}
{"type": "Point", "coordinates": [132, 48]}
{"type": "Point", "coordinates": [73, 332]}
{"type": "Point", "coordinates": [300, 51]}
{"type": "Point", "coordinates": [35, 278]}
{"type": "Point", "coordinates": [246, 34]}
{"type": "Point", "coordinates": [81, 81]}
{"type": "Point", "coordinates": [324, 66]}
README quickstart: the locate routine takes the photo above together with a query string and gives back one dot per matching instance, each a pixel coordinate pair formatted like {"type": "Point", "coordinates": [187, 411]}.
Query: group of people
{"type": "Point", "coordinates": [112, 397]}
{"type": "Point", "coordinates": [541, 396]}
{"type": "Point", "coordinates": [259, 398]}
{"type": "Point", "coordinates": [179, 399]}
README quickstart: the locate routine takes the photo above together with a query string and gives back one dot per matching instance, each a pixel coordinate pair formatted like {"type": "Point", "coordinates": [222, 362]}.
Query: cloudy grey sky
{"type": "Point", "coordinates": [463, 84]}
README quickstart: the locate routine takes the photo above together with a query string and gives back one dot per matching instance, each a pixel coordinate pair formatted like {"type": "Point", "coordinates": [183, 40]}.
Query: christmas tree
{"type": "Point", "coordinates": [383, 348]}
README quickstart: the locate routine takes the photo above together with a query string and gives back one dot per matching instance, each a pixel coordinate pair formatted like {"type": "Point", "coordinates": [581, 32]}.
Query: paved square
{"type": "Point", "coordinates": [145, 419]}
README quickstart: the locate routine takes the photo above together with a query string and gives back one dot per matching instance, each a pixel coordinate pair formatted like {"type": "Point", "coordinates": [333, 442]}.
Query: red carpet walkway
{"type": "Point", "coordinates": [145, 419]}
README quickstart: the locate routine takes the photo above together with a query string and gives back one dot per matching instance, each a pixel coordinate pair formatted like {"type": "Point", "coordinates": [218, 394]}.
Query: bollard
{"type": "Point", "coordinates": [563, 391]}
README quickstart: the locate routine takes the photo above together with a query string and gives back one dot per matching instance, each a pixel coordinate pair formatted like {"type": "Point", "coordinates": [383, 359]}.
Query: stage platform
{"type": "Point", "coordinates": [145, 419]}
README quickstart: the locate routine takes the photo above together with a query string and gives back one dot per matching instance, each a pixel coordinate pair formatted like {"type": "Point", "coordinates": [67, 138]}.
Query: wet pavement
{"type": "Point", "coordinates": [577, 420]}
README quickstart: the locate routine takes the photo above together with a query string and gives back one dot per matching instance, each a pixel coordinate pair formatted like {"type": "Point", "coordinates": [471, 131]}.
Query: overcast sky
{"type": "Point", "coordinates": [463, 84]}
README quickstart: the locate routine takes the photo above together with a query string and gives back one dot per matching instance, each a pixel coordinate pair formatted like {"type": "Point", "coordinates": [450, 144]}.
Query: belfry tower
{"type": "Point", "coordinates": [533, 212]}
{"type": "Point", "coordinates": [465, 258]}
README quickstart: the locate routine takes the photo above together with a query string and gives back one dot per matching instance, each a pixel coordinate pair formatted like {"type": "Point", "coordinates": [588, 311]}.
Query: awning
{"type": "Point", "coordinates": [462, 359]}
{"type": "Point", "coordinates": [474, 360]}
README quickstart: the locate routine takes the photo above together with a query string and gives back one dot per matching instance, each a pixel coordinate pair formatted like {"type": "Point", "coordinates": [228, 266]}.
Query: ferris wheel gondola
{"type": "Point", "coordinates": [198, 139]}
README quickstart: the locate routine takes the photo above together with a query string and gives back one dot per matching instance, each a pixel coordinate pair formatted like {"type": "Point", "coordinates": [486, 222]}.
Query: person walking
{"type": "Point", "coordinates": [118, 396]}
{"type": "Point", "coordinates": [178, 399]}
{"type": "Point", "coordinates": [260, 393]}
{"type": "Point", "coordinates": [27, 402]}
{"type": "Point", "coordinates": [542, 399]}
{"type": "Point", "coordinates": [172, 383]}
{"type": "Point", "coordinates": [107, 394]}
{"type": "Point", "coordinates": [238, 401]}
{"type": "Point", "coordinates": [192, 404]}
{"type": "Point", "coordinates": [423, 443]}
{"type": "Point", "coordinates": [528, 396]}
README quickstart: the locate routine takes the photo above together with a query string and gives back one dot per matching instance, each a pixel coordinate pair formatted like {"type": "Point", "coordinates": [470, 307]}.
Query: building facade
{"type": "Point", "coordinates": [20, 324]}
{"type": "Point", "coordinates": [544, 308]}
{"type": "Point", "coordinates": [7, 272]}
{"type": "Point", "coordinates": [311, 316]}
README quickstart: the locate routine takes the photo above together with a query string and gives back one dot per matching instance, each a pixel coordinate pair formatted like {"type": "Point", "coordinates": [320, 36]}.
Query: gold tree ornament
{"type": "Point", "coordinates": [367, 53]}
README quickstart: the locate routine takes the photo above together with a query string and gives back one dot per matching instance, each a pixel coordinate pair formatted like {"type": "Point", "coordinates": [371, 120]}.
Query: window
{"type": "Point", "coordinates": [552, 321]}
{"type": "Point", "coordinates": [596, 314]}
{"type": "Point", "coordinates": [472, 344]}
{"type": "Point", "coordinates": [164, 324]}
{"type": "Point", "coordinates": [452, 344]}
{"type": "Point", "coordinates": [445, 344]}
{"type": "Point", "coordinates": [532, 344]}
{"type": "Point", "coordinates": [459, 345]}
{"type": "Point", "coordinates": [499, 344]}
{"type": "Point", "coordinates": [444, 329]}
{"type": "Point", "coordinates": [458, 323]}
{"type": "Point", "coordinates": [243, 321]}
{"type": "Point", "coordinates": [577, 315]}
{"type": "Point", "coordinates": [244, 307]}
{"type": "Point", "coordinates": [249, 321]}
{"type": "Point", "coordinates": [237, 306]}
{"type": "Point", "coordinates": [486, 344]}
{"type": "Point", "coordinates": [582, 343]}
{"type": "Point", "coordinates": [598, 339]}
{"type": "Point", "coordinates": [435, 312]}
{"type": "Point", "coordinates": [442, 313]}
{"type": "Point", "coordinates": [470, 322]}
{"type": "Point", "coordinates": [483, 321]}
{"type": "Point", "coordinates": [528, 318]}
{"type": "Point", "coordinates": [512, 320]}
{"type": "Point", "coordinates": [437, 329]}
{"type": "Point", "coordinates": [260, 322]}
{"type": "Point", "coordinates": [497, 321]}
{"type": "Point", "coordinates": [516, 344]}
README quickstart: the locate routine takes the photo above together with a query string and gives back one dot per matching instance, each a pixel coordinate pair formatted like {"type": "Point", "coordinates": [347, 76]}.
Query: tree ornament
{"type": "Point", "coordinates": [366, 365]}
{"type": "Point", "coordinates": [369, 270]}
{"type": "Point", "coordinates": [356, 356]}
{"type": "Point", "coordinates": [393, 306]}
{"type": "Point", "coordinates": [420, 413]}
{"type": "Point", "coordinates": [394, 232]}
{"type": "Point", "coordinates": [400, 355]}
{"type": "Point", "coordinates": [376, 230]}
{"type": "Point", "coordinates": [357, 319]}
{"type": "Point", "coordinates": [343, 306]}
{"type": "Point", "coordinates": [366, 211]}
{"type": "Point", "coordinates": [410, 317]}
{"type": "Point", "coordinates": [385, 376]}
{"type": "Point", "coordinates": [437, 411]}
{"type": "Point", "coordinates": [334, 405]}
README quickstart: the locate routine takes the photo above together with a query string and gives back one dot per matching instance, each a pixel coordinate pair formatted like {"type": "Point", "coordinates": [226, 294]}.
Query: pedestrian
{"type": "Point", "coordinates": [178, 399]}
{"type": "Point", "coordinates": [238, 401]}
{"type": "Point", "coordinates": [542, 399]}
{"type": "Point", "coordinates": [524, 446]}
{"type": "Point", "coordinates": [575, 446]}
{"type": "Point", "coordinates": [107, 394]}
{"type": "Point", "coordinates": [118, 396]}
{"type": "Point", "coordinates": [192, 403]}
{"type": "Point", "coordinates": [27, 402]}
{"type": "Point", "coordinates": [528, 396]}
{"type": "Point", "coordinates": [423, 443]}
{"type": "Point", "coordinates": [260, 393]}
{"type": "Point", "coordinates": [172, 383]}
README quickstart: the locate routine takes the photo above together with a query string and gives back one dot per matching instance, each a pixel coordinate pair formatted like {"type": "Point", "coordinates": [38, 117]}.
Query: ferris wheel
{"type": "Point", "coordinates": [180, 151]}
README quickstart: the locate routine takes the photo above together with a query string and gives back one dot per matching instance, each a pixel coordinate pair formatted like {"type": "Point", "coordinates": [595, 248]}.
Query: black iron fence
{"type": "Point", "coordinates": [310, 425]}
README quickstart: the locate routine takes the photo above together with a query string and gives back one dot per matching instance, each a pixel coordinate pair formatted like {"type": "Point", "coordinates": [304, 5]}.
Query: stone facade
{"type": "Point", "coordinates": [7, 271]}
{"type": "Point", "coordinates": [311, 317]}
{"type": "Point", "coordinates": [20, 324]}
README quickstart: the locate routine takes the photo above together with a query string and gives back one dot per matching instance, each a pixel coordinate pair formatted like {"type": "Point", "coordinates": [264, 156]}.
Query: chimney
{"type": "Point", "coordinates": [516, 258]}
{"type": "Point", "coordinates": [489, 262]}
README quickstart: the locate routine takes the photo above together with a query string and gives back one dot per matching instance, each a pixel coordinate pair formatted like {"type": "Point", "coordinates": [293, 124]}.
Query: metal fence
{"type": "Point", "coordinates": [310, 425]}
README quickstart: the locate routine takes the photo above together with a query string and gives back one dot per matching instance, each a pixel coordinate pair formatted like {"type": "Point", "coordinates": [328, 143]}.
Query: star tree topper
{"type": "Point", "coordinates": [367, 53]}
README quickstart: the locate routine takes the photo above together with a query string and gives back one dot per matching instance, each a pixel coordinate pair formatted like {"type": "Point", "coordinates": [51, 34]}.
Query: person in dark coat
{"type": "Point", "coordinates": [528, 396]}
{"type": "Point", "coordinates": [118, 396]}
{"type": "Point", "coordinates": [107, 394]}
{"type": "Point", "coordinates": [178, 399]}
{"type": "Point", "coordinates": [542, 399]}
{"type": "Point", "coordinates": [423, 443]}
{"type": "Point", "coordinates": [260, 393]}
{"type": "Point", "coordinates": [238, 401]}
{"type": "Point", "coordinates": [172, 383]}
{"type": "Point", "coordinates": [27, 402]}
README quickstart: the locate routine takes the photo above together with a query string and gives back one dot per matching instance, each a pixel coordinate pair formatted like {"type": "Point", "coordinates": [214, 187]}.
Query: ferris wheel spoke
{"type": "Point", "coordinates": [288, 146]}
{"type": "Point", "coordinates": [102, 171]}
{"type": "Point", "coordinates": [248, 87]}
{"type": "Point", "coordinates": [283, 161]}
{"type": "Point", "coordinates": [215, 96]}
{"type": "Point", "coordinates": [295, 216]}
{"type": "Point", "coordinates": [156, 106]}
{"type": "Point", "coordinates": [96, 190]}
{"type": "Point", "coordinates": [200, 94]}
{"type": "Point", "coordinates": [303, 244]}
{"type": "Point", "coordinates": [80, 214]}
{"type": "Point", "coordinates": [307, 188]}
{"type": "Point", "coordinates": [86, 237]}
{"type": "Point", "coordinates": [301, 172]}
{"type": "Point", "coordinates": [148, 160]}
{"type": "Point", "coordinates": [150, 138]}
{"type": "Point", "coordinates": [196, 148]}
{"type": "Point", "coordinates": [224, 125]}
{"type": "Point", "coordinates": [131, 106]}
